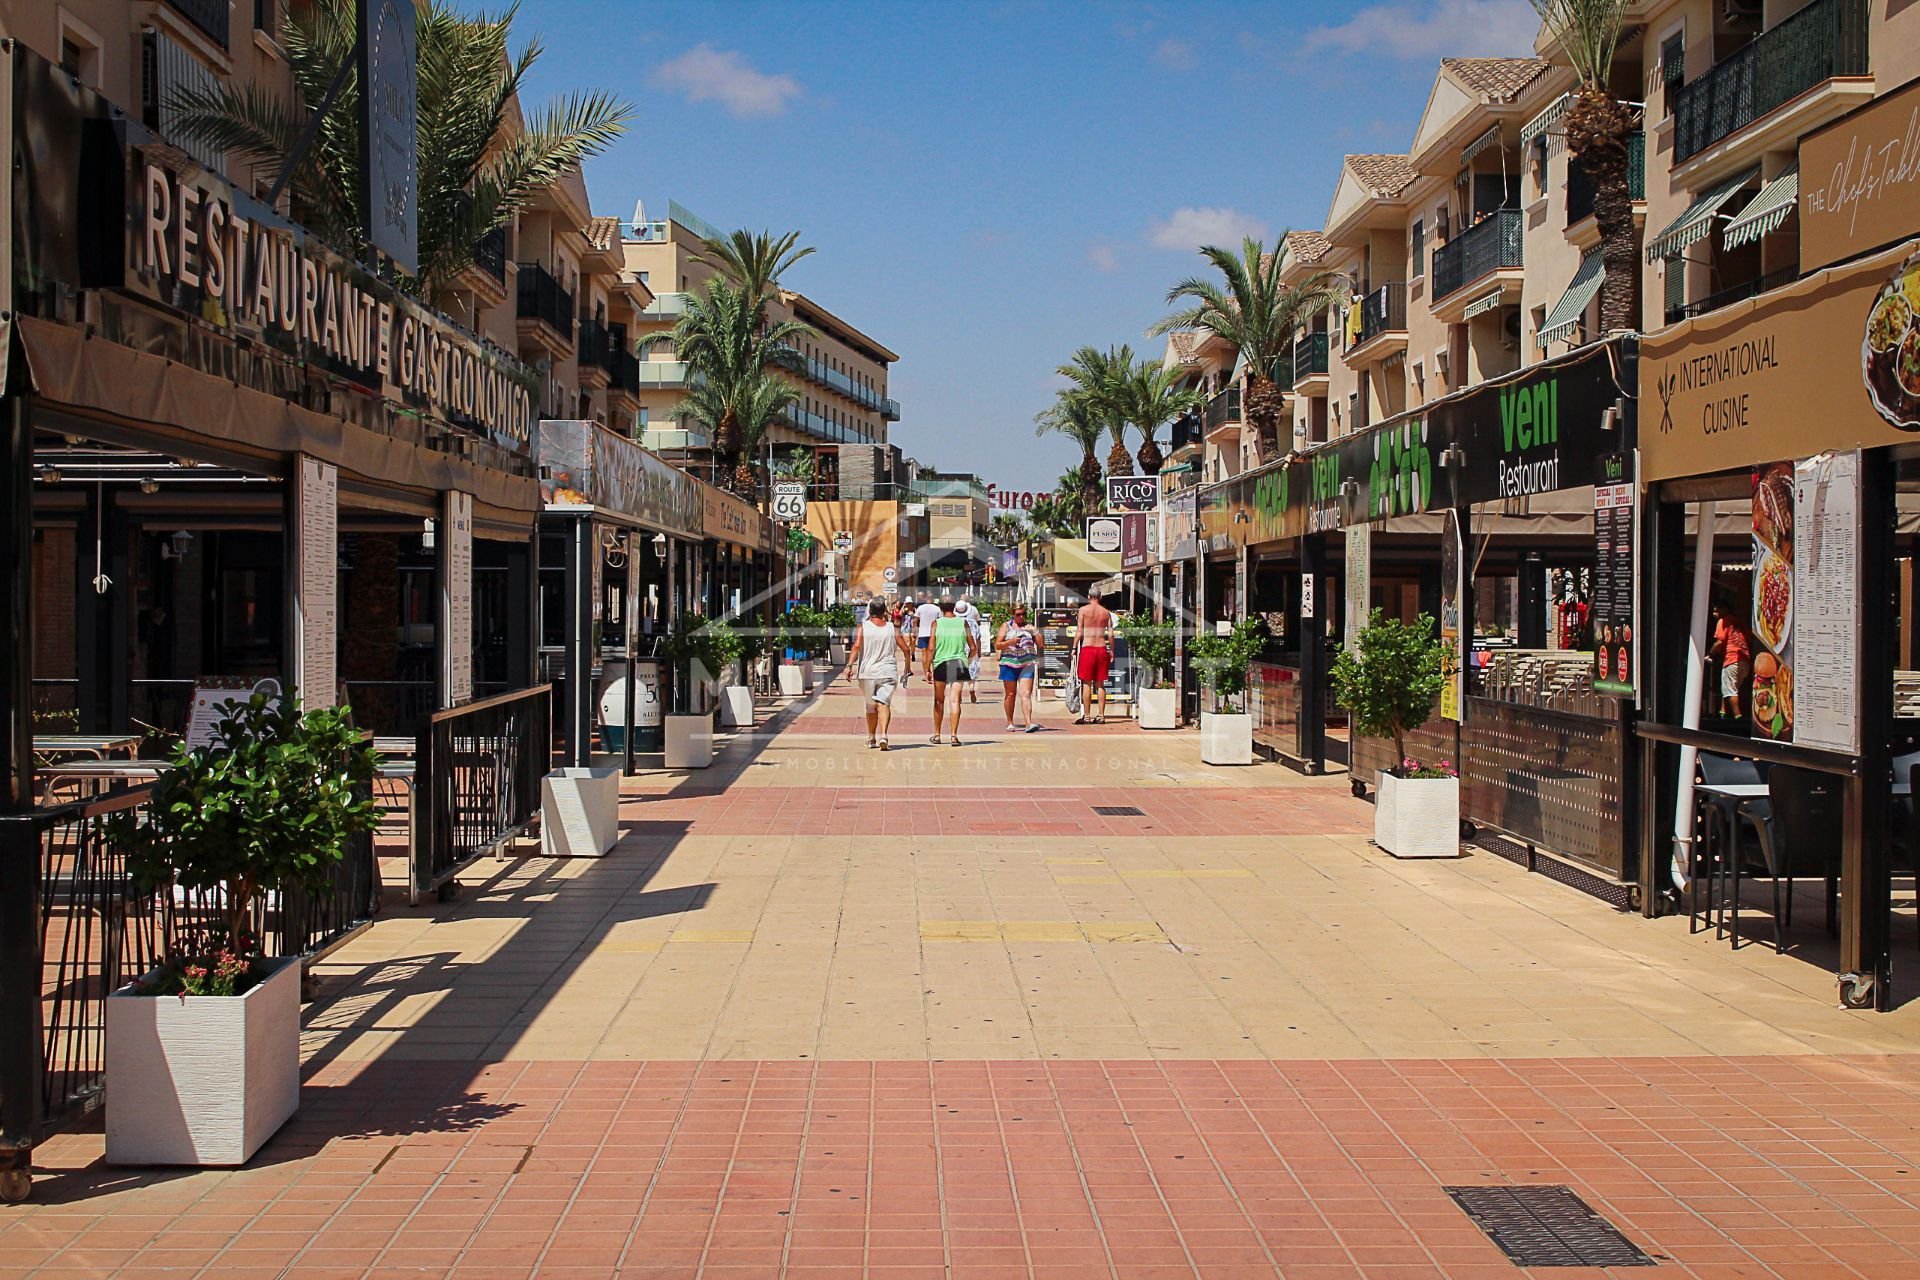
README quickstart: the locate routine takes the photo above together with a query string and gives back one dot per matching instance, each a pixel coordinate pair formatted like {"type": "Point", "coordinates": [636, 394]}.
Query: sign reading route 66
{"type": "Point", "coordinates": [790, 501]}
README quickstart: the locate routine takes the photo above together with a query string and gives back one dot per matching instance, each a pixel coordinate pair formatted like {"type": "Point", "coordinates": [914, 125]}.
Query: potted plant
{"type": "Point", "coordinates": [840, 624]}
{"type": "Point", "coordinates": [1151, 644]}
{"type": "Point", "coordinates": [203, 1053]}
{"type": "Point", "coordinates": [1221, 661]}
{"type": "Point", "coordinates": [697, 649]}
{"type": "Point", "coordinates": [736, 700]}
{"type": "Point", "coordinates": [1388, 682]}
{"type": "Point", "coordinates": [802, 637]}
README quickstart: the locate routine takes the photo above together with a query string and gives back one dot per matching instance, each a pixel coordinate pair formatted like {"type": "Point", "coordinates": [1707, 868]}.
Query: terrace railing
{"type": "Point", "coordinates": [1478, 251]}
{"type": "Point", "coordinates": [1828, 38]}
{"type": "Point", "coordinates": [478, 770]}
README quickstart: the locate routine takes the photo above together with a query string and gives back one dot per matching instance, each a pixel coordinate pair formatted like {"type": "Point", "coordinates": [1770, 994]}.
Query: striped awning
{"type": "Point", "coordinates": [1479, 144]}
{"type": "Point", "coordinates": [1694, 225]}
{"type": "Point", "coordinates": [1568, 312]}
{"type": "Point", "coordinates": [1480, 306]}
{"type": "Point", "coordinates": [1769, 209]}
{"type": "Point", "coordinates": [1556, 112]}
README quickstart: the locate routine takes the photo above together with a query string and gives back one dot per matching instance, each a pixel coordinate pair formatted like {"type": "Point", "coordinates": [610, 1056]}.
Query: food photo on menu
{"type": "Point", "coordinates": [1890, 354]}
{"type": "Point", "coordinates": [1772, 697]}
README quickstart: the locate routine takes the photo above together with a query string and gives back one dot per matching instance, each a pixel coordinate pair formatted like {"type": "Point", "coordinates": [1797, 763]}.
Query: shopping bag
{"type": "Point", "coordinates": [1073, 697]}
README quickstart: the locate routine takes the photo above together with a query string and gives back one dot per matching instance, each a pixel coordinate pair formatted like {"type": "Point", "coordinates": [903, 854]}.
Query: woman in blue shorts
{"type": "Point", "coordinates": [1020, 645]}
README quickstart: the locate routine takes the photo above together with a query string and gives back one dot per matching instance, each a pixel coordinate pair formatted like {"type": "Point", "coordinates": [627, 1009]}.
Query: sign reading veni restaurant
{"type": "Point", "coordinates": [198, 245]}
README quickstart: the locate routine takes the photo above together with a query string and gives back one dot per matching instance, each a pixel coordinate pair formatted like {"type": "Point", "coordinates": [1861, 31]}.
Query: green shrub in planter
{"type": "Point", "coordinates": [1151, 644]}
{"type": "Point", "coordinates": [803, 629]}
{"type": "Point", "coordinates": [271, 804]}
{"type": "Point", "coordinates": [1387, 682]}
{"type": "Point", "coordinates": [1221, 661]}
{"type": "Point", "coordinates": [699, 643]}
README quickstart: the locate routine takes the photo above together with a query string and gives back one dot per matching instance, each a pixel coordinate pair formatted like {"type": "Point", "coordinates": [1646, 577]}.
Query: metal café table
{"type": "Point", "coordinates": [94, 746]}
{"type": "Point", "coordinates": [74, 776]}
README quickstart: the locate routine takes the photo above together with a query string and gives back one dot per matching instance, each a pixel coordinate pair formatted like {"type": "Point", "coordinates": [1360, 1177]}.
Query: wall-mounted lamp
{"type": "Point", "coordinates": [177, 546]}
{"type": "Point", "coordinates": [1453, 457]}
{"type": "Point", "coordinates": [426, 534]}
{"type": "Point", "coordinates": [660, 545]}
{"type": "Point", "coordinates": [1241, 517]}
{"type": "Point", "coordinates": [149, 485]}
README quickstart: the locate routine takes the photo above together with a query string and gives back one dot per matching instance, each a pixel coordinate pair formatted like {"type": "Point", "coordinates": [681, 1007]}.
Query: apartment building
{"type": "Point", "coordinates": [843, 382]}
{"type": "Point", "coordinates": [1206, 365]}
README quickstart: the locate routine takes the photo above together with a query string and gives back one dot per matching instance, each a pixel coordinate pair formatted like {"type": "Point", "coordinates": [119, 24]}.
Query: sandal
{"type": "Point", "coordinates": [953, 741]}
{"type": "Point", "coordinates": [871, 744]}
{"type": "Point", "coordinates": [883, 745]}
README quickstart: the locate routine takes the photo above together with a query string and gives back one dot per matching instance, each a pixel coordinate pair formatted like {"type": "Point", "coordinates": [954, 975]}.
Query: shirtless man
{"type": "Point", "coordinates": [1094, 636]}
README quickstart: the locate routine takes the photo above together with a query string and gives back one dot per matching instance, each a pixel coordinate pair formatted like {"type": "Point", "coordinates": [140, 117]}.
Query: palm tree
{"type": "Point", "coordinates": [753, 261]}
{"type": "Point", "coordinates": [1100, 377]}
{"type": "Point", "coordinates": [1598, 128]}
{"type": "Point", "coordinates": [762, 403]}
{"type": "Point", "coordinates": [1075, 415]}
{"type": "Point", "coordinates": [730, 349]}
{"type": "Point", "coordinates": [1155, 398]}
{"type": "Point", "coordinates": [1257, 314]}
{"type": "Point", "coordinates": [475, 171]}
{"type": "Point", "coordinates": [1004, 530]}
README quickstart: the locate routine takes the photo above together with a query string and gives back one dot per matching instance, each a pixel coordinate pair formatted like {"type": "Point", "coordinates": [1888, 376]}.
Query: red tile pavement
{"type": "Point", "coordinates": [1800, 1168]}
{"type": "Point", "coordinates": [693, 809]}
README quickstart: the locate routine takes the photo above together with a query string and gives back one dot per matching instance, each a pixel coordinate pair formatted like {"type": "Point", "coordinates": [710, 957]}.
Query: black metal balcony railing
{"type": "Point", "coordinates": [593, 343]}
{"type": "Point", "coordinates": [1309, 355]}
{"type": "Point", "coordinates": [1479, 250]}
{"type": "Point", "coordinates": [1223, 408]}
{"type": "Point", "coordinates": [1737, 293]}
{"type": "Point", "coordinates": [209, 17]}
{"type": "Point", "coordinates": [1383, 311]}
{"type": "Point", "coordinates": [623, 371]}
{"type": "Point", "coordinates": [1580, 187]}
{"type": "Point", "coordinates": [542, 298]}
{"type": "Point", "coordinates": [1828, 38]}
{"type": "Point", "coordinates": [490, 253]}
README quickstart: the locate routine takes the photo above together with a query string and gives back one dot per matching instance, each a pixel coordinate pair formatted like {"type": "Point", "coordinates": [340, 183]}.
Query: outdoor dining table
{"type": "Point", "coordinates": [75, 775]}
{"type": "Point", "coordinates": [97, 746]}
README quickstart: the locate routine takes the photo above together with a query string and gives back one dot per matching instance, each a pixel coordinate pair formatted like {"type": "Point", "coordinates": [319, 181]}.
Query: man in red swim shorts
{"type": "Point", "coordinates": [1094, 635]}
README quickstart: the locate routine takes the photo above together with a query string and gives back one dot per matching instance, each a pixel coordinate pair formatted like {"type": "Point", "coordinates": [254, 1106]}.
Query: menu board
{"type": "Point", "coordinates": [1771, 701]}
{"type": "Point", "coordinates": [1824, 614]}
{"type": "Point", "coordinates": [1358, 581]}
{"type": "Point", "coordinates": [1451, 555]}
{"type": "Point", "coordinates": [457, 592]}
{"type": "Point", "coordinates": [1612, 611]}
{"type": "Point", "coordinates": [316, 571]}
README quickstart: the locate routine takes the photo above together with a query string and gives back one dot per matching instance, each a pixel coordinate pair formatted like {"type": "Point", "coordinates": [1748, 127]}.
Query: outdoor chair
{"type": "Point", "coordinates": [1800, 835]}
{"type": "Point", "coordinates": [1721, 818]}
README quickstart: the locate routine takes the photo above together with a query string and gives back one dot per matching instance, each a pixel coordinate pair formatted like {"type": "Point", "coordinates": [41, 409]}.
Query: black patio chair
{"type": "Point", "coordinates": [1802, 833]}
{"type": "Point", "coordinates": [1720, 829]}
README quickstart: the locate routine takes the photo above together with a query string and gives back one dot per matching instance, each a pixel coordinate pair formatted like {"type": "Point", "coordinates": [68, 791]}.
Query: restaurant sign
{"type": "Point", "coordinates": [1132, 493]}
{"type": "Point", "coordinates": [1536, 432]}
{"type": "Point", "coordinates": [1832, 361]}
{"type": "Point", "coordinates": [732, 519]}
{"type": "Point", "coordinates": [1133, 540]}
{"type": "Point", "coordinates": [1860, 180]}
{"type": "Point", "coordinates": [584, 467]}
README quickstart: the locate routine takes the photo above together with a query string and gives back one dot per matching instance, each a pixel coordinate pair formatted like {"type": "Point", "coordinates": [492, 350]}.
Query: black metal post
{"type": "Point", "coordinates": [521, 625]}
{"type": "Point", "coordinates": [1313, 661]}
{"type": "Point", "coordinates": [579, 642]}
{"type": "Point", "coordinates": [1533, 601]}
{"type": "Point", "coordinates": [629, 616]}
{"type": "Point", "coordinates": [1865, 865]}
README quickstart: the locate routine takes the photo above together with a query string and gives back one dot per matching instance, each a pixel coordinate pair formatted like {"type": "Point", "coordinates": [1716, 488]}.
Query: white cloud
{"type": "Point", "coordinates": [1191, 228]}
{"type": "Point", "coordinates": [1417, 29]}
{"type": "Point", "coordinates": [1176, 54]}
{"type": "Point", "coordinates": [1103, 256]}
{"type": "Point", "coordinates": [706, 74]}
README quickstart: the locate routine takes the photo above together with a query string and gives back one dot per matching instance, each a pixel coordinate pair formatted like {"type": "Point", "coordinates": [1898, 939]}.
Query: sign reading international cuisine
{"type": "Point", "coordinates": [585, 466]}
{"type": "Point", "coordinates": [1806, 602]}
{"type": "Point", "coordinates": [1742, 387]}
{"type": "Point", "coordinates": [1133, 493]}
{"type": "Point", "coordinates": [1538, 431]}
{"type": "Point", "coordinates": [1860, 180]}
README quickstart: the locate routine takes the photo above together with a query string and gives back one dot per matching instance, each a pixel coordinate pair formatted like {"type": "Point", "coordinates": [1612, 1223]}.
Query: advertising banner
{"type": "Point", "coordinates": [1741, 387]}
{"type": "Point", "coordinates": [1613, 576]}
{"type": "Point", "coordinates": [1806, 602]}
{"type": "Point", "coordinates": [389, 105]}
{"type": "Point", "coordinates": [1359, 582]}
{"type": "Point", "coordinates": [316, 580]}
{"type": "Point", "coordinates": [1103, 534]}
{"type": "Point", "coordinates": [1860, 180]}
{"type": "Point", "coordinates": [1452, 564]}
{"type": "Point", "coordinates": [1133, 540]}
{"type": "Point", "coordinates": [584, 465]}
{"type": "Point", "coordinates": [1132, 493]}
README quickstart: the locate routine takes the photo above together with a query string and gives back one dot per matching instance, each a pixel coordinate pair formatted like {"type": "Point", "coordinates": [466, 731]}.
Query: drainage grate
{"type": "Point", "coordinates": [1118, 811]}
{"type": "Point", "coordinates": [1547, 1227]}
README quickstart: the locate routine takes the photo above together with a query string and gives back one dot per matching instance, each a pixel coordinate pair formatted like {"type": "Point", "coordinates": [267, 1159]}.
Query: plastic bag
{"type": "Point", "coordinates": [1073, 698]}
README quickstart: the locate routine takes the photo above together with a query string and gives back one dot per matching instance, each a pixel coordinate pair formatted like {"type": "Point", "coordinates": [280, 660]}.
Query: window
{"type": "Point", "coordinates": [1420, 379]}
{"type": "Point", "coordinates": [1419, 248]}
{"type": "Point", "coordinates": [1441, 225]}
{"type": "Point", "coordinates": [1673, 67]}
{"type": "Point", "coordinates": [1675, 281]}
{"type": "Point", "coordinates": [643, 417]}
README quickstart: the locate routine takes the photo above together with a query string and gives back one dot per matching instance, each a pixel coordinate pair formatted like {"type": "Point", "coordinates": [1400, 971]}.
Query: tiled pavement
{"type": "Point", "coordinates": [830, 1013]}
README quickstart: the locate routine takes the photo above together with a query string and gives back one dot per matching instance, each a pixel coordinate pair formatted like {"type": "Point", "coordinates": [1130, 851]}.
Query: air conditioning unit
{"type": "Point", "coordinates": [1510, 326]}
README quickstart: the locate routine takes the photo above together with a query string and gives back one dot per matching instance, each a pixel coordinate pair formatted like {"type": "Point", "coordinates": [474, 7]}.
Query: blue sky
{"type": "Point", "coordinates": [991, 185]}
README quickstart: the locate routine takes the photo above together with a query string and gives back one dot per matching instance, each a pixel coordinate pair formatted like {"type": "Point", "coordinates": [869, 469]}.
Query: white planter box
{"type": "Point", "coordinates": [689, 742]}
{"type": "Point", "coordinates": [806, 675]}
{"type": "Point", "coordinates": [837, 653]}
{"type": "Point", "coordinates": [1159, 708]}
{"type": "Point", "coordinates": [579, 812]}
{"type": "Point", "coordinates": [1226, 739]}
{"type": "Point", "coordinates": [205, 1080]}
{"type": "Point", "coordinates": [795, 678]}
{"type": "Point", "coordinates": [736, 707]}
{"type": "Point", "coordinates": [1417, 817]}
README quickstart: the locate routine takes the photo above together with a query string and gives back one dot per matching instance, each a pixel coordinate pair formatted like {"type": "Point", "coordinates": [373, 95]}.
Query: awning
{"type": "Point", "coordinates": [1479, 144]}
{"type": "Point", "coordinates": [1769, 209]}
{"type": "Point", "coordinates": [1693, 226]}
{"type": "Point", "coordinates": [1480, 306]}
{"type": "Point", "coordinates": [1556, 112]}
{"type": "Point", "coordinates": [1567, 313]}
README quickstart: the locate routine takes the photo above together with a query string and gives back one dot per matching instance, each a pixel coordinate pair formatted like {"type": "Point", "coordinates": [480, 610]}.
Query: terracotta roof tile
{"type": "Point", "coordinates": [1384, 176]}
{"type": "Point", "coordinates": [602, 233]}
{"type": "Point", "coordinates": [1307, 246]}
{"type": "Point", "coordinates": [1496, 79]}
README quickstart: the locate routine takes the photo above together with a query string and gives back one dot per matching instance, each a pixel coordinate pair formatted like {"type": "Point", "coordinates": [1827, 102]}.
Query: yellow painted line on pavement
{"type": "Point", "coordinates": [1040, 931]}
{"type": "Point", "coordinates": [1086, 880]}
{"type": "Point", "coordinates": [627, 947]}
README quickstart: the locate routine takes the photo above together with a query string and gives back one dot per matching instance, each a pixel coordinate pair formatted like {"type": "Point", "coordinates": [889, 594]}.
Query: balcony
{"type": "Point", "coordinates": [1738, 293]}
{"type": "Point", "coordinates": [1383, 323]}
{"type": "Point", "coordinates": [1825, 40]}
{"type": "Point", "coordinates": [1580, 187]}
{"type": "Point", "coordinates": [208, 17]}
{"type": "Point", "coordinates": [1309, 357]}
{"type": "Point", "coordinates": [1489, 245]}
{"type": "Point", "coordinates": [592, 353]}
{"type": "Point", "coordinates": [623, 372]}
{"type": "Point", "coordinates": [651, 374]}
{"type": "Point", "coordinates": [1223, 412]}
{"type": "Point", "coordinates": [545, 310]}
{"type": "Point", "coordinates": [490, 254]}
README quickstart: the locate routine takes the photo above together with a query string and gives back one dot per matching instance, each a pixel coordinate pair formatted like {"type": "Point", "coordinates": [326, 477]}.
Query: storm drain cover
{"type": "Point", "coordinates": [1118, 811]}
{"type": "Point", "coordinates": [1547, 1227]}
